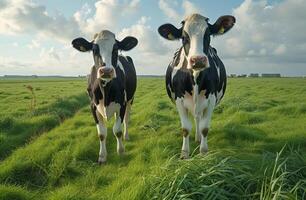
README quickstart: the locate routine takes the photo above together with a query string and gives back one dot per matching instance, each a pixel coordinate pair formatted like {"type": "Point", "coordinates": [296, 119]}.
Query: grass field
{"type": "Point", "coordinates": [257, 144]}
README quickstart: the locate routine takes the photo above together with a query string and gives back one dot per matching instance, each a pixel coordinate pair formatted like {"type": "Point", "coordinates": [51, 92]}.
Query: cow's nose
{"type": "Point", "coordinates": [106, 72]}
{"type": "Point", "coordinates": [198, 62]}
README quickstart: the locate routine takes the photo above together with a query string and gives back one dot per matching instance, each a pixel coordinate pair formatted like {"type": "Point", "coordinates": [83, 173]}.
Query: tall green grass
{"type": "Point", "coordinates": [246, 158]}
{"type": "Point", "coordinates": [20, 125]}
{"type": "Point", "coordinates": [224, 175]}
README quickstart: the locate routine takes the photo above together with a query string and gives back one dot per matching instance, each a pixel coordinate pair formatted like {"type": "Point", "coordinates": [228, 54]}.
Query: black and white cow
{"type": "Point", "coordinates": [111, 85]}
{"type": "Point", "coordinates": [196, 78]}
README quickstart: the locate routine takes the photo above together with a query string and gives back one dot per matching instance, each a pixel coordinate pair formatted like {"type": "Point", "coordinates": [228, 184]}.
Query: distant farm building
{"type": "Point", "coordinates": [254, 75]}
{"type": "Point", "coordinates": [242, 76]}
{"type": "Point", "coordinates": [271, 75]}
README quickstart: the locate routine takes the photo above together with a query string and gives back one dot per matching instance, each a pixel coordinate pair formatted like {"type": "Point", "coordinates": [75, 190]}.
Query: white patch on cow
{"type": "Point", "coordinates": [183, 113]}
{"type": "Point", "coordinates": [117, 128]}
{"type": "Point", "coordinates": [200, 101]}
{"type": "Point", "coordinates": [172, 93]}
{"type": "Point", "coordinates": [102, 133]}
{"type": "Point", "coordinates": [117, 125]}
{"type": "Point", "coordinates": [218, 70]}
{"type": "Point", "coordinates": [108, 111]}
{"type": "Point", "coordinates": [213, 56]}
{"type": "Point", "coordinates": [106, 40]}
{"type": "Point", "coordinates": [220, 94]}
{"type": "Point", "coordinates": [195, 25]}
{"type": "Point", "coordinates": [102, 130]}
{"type": "Point", "coordinates": [180, 64]}
{"type": "Point", "coordinates": [207, 111]}
{"type": "Point", "coordinates": [206, 120]}
{"type": "Point", "coordinates": [126, 119]}
{"type": "Point", "coordinates": [197, 137]}
{"type": "Point", "coordinates": [188, 102]}
{"type": "Point", "coordinates": [174, 71]}
{"type": "Point", "coordinates": [185, 147]}
{"type": "Point", "coordinates": [121, 66]}
{"type": "Point", "coordinates": [203, 144]}
{"type": "Point", "coordinates": [186, 124]}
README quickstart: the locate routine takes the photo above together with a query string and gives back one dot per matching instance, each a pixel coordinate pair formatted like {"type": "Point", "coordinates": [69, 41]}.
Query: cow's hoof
{"type": "Point", "coordinates": [101, 161]}
{"type": "Point", "coordinates": [203, 151]}
{"type": "Point", "coordinates": [184, 155]}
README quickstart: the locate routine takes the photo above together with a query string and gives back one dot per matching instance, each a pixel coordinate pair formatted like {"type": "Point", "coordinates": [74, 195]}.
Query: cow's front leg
{"type": "Point", "coordinates": [126, 119]}
{"type": "Point", "coordinates": [205, 124]}
{"type": "Point", "coordinates": [186, 127]}
{"type": "Point", "coordinates": [102, 133]}
{"type": "Point", "coordinates": [117, 130]}
{"type": "Point", "coordinates": [197, 132]}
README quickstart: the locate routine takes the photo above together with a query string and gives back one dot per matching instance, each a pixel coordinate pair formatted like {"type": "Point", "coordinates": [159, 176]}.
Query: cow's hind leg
{"type": "Point", "coordinates": [126, 119]}
{"type": "Point", "coordinates": [117, 130]}
{"type": "Point", "coordinates": [186, 128]}
{"type": "Point", "coordinates": [102, 134]}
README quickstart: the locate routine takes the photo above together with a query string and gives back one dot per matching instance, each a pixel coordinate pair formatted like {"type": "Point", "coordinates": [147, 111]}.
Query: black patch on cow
{"type": "Point", "coordinates": [225, 22]}
{"type": "Point", "coordinates": [130, 76]}
{"type": "Point", "coordinates": [177, 57]}
{"type": "Point", "coordinates": [96, 49]}
{"type": "Point", "coordinates": [93, 109]}
{"type": "Point", "coordinates": [115, 55]}
{"type": "Point", "coordinates": [127, 43]}
{"type": "Point", "coordinates": [169, 86]}
{"type": "Point", "coordinates": [206, 41]}
{"type": "Point", "coordinates": [82, 44]}
{"type": "Point", "coordinates": [182, 82]}
{"type": "Point", "coordinates": [186, 42]}
{"type": "Point", "coordinates": [170, 32]}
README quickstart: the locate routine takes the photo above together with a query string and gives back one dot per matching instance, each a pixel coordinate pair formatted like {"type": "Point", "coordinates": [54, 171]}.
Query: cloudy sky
{"type": "Point", "coordinates": [35, 35]}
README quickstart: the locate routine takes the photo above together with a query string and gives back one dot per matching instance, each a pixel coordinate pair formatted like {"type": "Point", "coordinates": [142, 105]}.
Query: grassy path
{"type": "Point", "coordinates": [56, 100]}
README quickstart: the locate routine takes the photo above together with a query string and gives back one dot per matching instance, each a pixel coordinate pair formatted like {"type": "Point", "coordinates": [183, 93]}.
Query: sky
{"type": "Point", "coordinates": [35, 35]}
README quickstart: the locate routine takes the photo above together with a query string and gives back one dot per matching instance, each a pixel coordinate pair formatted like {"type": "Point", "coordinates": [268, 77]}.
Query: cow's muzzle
{"type": "Point", "coordinates": [106, 73]}
{"type": "Point", "coordinates": [198, 62]}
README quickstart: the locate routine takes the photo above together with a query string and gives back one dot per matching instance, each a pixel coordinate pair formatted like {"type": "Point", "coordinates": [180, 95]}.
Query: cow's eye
{"type": "Point", "coordinates": [186, 39]}
{"type": "Point", "coordinates": [95, 49]}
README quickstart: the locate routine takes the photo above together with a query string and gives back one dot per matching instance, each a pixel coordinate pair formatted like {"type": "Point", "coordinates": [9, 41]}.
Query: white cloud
{"type": "Point", "coordinates": [172, 10]}
{"type": "Point", "coordinates": [281, 49]}
{"type": "Point", "coordinates": [106, 16]}
{"type": "Point", "coordinates": [189, 8]}
{"type": "Point", "coordinates": [152, 54]}
{"type": "Point", "coordinates": [266, 34]}
{"type": "Point", "coordinates": [50, 54]}
{"type": "Point", "coordinates": [34, 44]}
{"type": "Point", "coordinates": [24, 16]}
{"type": "Point", "coordinates": [168, 10]}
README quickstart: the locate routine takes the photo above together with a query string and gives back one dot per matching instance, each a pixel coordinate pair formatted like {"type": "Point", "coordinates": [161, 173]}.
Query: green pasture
{"type": "Point", "coordinates": [257, 144]}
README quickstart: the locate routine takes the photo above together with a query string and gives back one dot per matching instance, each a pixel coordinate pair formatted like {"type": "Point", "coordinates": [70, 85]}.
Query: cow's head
{"type": "Point", "coordinates": [105, 49]}
{"type": "Point", "coordinates": [195, 34]}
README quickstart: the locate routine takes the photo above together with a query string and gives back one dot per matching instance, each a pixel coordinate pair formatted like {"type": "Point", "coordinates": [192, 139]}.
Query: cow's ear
{"type": "Point", "coordinates": [127, 43]}
{"type": "Point", "coordinates": [82, 44]}
{"type": "Point", "coordinates": [170, 32]}
{"type": "Point", "coordinates": [222, 25]}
